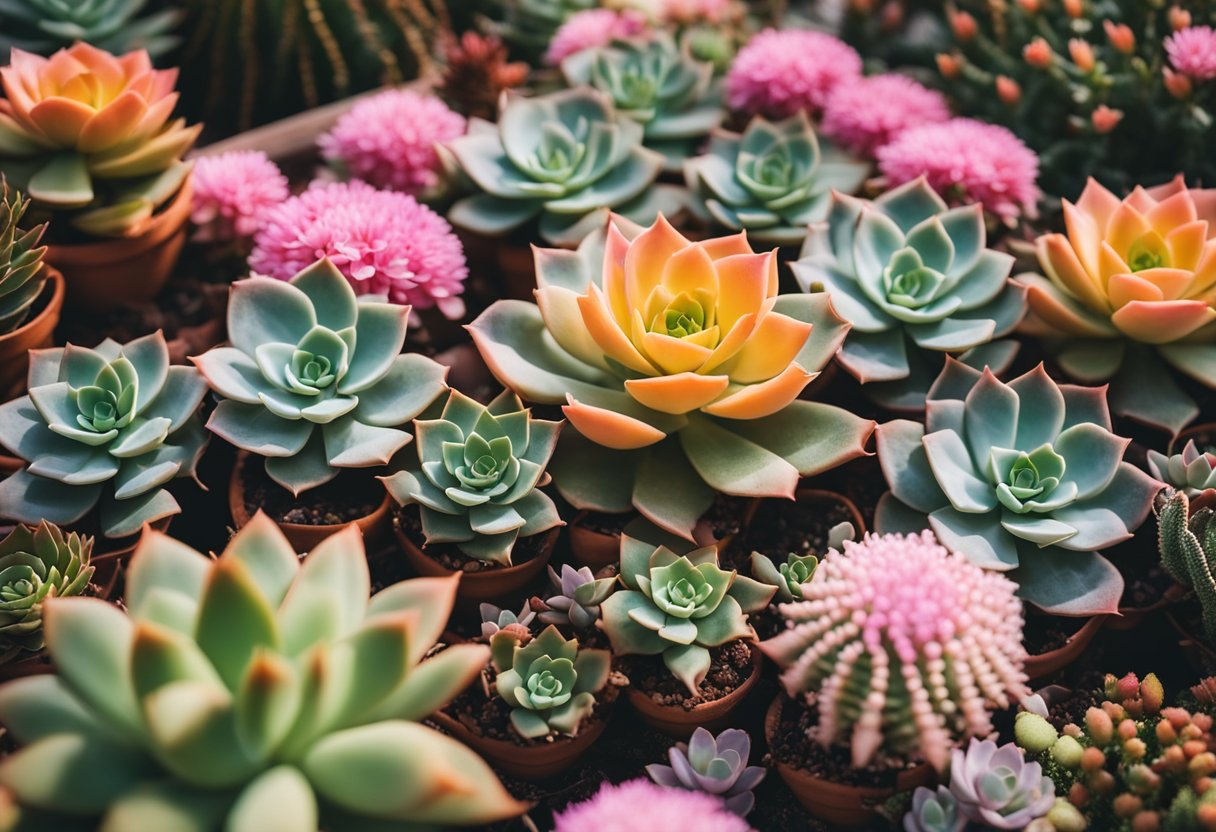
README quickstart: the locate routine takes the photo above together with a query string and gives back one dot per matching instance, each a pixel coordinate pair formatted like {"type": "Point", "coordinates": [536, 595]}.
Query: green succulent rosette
{"type": "Point", "coordinates": [479, 476]}
{"type": "Point", "coordinates": [103, 428]}
{"type": "Point", "coordinates": [314, 380]}
{"type": "Point", "coordinates": [917, 282]}
{"type": "Point", "coordinates": [564, 159]}
{"type": "Point", "coordinates": [22, 275]}
{"type": "Point", "coordinates": [659, 85]}
{"type": "Point", "coordinates": [549, 682]}
{"type": "Point", "coordinates": [772, 181]}
{"type": "Point", "coordinates": [42, 26]}
{"type": "Point", "coordinates": [1023, 477]}
{"type": "Point", "coordinates": [36, 564]}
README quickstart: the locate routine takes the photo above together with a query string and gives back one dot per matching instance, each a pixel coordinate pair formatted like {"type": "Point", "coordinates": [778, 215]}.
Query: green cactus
{"type": "Point", "coordinates": [1188, 550]}
{"type": "Point", "coordinates": [38, 563]}
{"type": "Point", "coordinates": [21, 274]}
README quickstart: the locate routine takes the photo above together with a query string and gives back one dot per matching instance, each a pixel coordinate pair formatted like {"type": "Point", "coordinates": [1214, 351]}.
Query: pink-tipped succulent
{"type": "Point", "coordinates": [780, 73]}
{"type": "Point", "coordinates": [232, 192]}
{"type": "Point", "coordinates": [615, 808]}
{"type": "Point", "coordinates": [907, 645]}
{"type": "Point", "coordinates": [388, 141]}
{"type": "Point", "coordinates": [865, 114]}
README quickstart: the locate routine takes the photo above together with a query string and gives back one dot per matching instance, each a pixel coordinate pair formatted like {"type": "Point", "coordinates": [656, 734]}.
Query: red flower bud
{"type": "Point", "coordinates": [1121, 37]}
{"type": "Point", "coordinates": [949, 66]}
{"type": "Point", "coordinates": [1082, 54]}
{"type": "Point", "coordinates": [1038, 54]}
{"type": "Point", "coordinates": [1180, 18]}
{"type": "Point", "coordinates": [1105, 119]}
{"type": "Point", "coordinates": [964, 26]}
{"type": "Point", "coordinates": [1008, 90]}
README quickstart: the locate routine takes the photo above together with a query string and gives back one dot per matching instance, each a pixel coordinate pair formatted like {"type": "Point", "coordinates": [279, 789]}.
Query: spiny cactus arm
{"type": "Point", "coordinates": [1172, 530]}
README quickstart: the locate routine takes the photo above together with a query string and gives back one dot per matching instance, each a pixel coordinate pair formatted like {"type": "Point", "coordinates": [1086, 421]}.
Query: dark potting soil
{"type": "Point", "coordinates": [782, 527]}
{"type": "Point", "coordinates": [725, 515]}
{"type": "Point", "coordinates": [1044, 633]}
{"type": "Point", "coordinates": [607, 524]}
{"type": "Point", "coordinates": [409, 520]}
{"type": "Point", "coordinates": [347, 497]}
{"type": "Point", "coordinates": [181, 304]}
{"type": "Point", "coordinates": [730, 666]}
{"type": "Point", "coordinates": [1071, 706]}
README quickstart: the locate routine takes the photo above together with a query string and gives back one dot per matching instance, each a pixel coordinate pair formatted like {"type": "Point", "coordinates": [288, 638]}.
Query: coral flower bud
{"type": "Point", "coordinates": [1092, 759]}
{"type": "Point", "coordinates": [1038, 54]}
{"type": "Point", "coordinates": [1074, 8]}
{"type": "Point", "coordinates": [1100, 725]}
{"type": "Point", "coordinates": [949, 66]}
{"type": "Point", "coordinates": [1146, 822]}
{"type": "Point", "coordinates": [1120, 36]}
{"type": "Point", "coordinates": [1180, 18]}
{"type": "Point", "coordinates": [964, 26]}
{"type": "Point", "coordinates": [1105, 119]}
{"type": "Point", "coordinates": [1082, 54]}
{"type": "Point", "coordinates": [1029, 6]}
{"type": "Point", "coordinates": [1008, 90]}
{"type": "Point", "coordinates": [1176, 84]}
{"type": "Point", "coordinates": [1127, 729]}
{"type": "Point", "coordinates": [1126, 805]}
{"type": "Point", "coordinates": [1166, 733]}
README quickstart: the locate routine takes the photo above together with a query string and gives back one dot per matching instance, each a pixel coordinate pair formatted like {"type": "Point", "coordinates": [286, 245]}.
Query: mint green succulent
{"type": "Point", "coordinates": [248, 693]}
{"type": "Point", "coordinates": [479, 478]}
{"type": "Point", "coordinates": [1191, 470]}
{"type": "Point", "coordinates": [22, 275]}
{"type": "Point", "coordinates": [662, 87]}
{"type": "Point", "coordinates": [679, 606]}
{"type": "Point", "coordinates": [314, 379]}
{"type": "Point", "coordinates": [565, 159]}
{"type": "Point", "coordinates": [1024, 478]}
{"type": "Point", "coordinates": [772, 181]}
{"type": "Point", "coordinates": [548, 681]}
{"type": "Point", "coordinates": [38, 563]}
{"type": "Point", "coordinates": [789, 576]}
{"type": "Point", "coordinates": [916, 281]}
{"type": "Point", "coordinates": [103, 428]}
{"type": "Point", "coordinates": [118, 26]}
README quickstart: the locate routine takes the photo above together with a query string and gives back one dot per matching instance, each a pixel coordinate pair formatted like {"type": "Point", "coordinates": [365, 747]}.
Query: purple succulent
{"type": "Point", "coordinates": [714, 766]}
{"type": "Point", "coordinates": [575, 599]}
{"type": "Point", "coordinates": [493, 619]}
{"type": "Point", "coordinates": [997, 787]}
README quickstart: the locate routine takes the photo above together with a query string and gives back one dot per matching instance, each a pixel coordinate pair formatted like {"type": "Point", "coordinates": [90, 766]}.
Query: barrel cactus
{"type": "Point", "coordinates": [36, 564]}
{"type": "Point", "coordinates": [1024, 478]}
{"type": "Point", "coordinates": [916, 281]}
{"type": "Point", "coordinates": [657, 84]}
{"type": "Point", "coordinates": [1190, 470]}
{"type": "Point", "coordinates": [21, 271]}
{"type": "Point", "coordinates": [42, 26]}
{"type": "Point", "coordinates": [314, 379]}
{"type": "Point", "coordinates": [249, 692]}
{"type": "Point", "coordinates": [772, 181]}
{"type": "Point", "coordinates": [565, 158]}
{"type": "Point", "coordinates": [103, 428]}
{"type": "Point", "coordinates": [479, 476]}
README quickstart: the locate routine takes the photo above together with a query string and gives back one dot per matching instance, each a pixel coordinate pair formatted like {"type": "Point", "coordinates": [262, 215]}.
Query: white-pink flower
{"type": "Point", "coordinates": [1192, 52]}
{"type": "Point", "coordinates": [865, 114]}
{"type": "Point", "coordinates": [592, 28]}
{"type": "Point", "coordinates": [779, 73]}
{"type": "Point", "coordinates": [231, 193]}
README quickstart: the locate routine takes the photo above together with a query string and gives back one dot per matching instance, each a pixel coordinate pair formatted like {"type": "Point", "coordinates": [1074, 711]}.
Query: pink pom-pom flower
{"type": "Point", "coordinates": [779, 73]}
{"type": "Point", "coordinates": [966, 161]}
{"type": "Point", "coordinates": [639, 806]}
{"type": "Point", "coordinates": [591, 28]}
{"type": "Point", "coordinates": [231, 193]}
{"type": "Point", "coordinates": [388, 140]}
{"type": "Point", "coordinates": [865, 114]}
{"type": "Point", "coordinates": [1192, 52]}
{"type": "Point", "coordinates": [385, 242]}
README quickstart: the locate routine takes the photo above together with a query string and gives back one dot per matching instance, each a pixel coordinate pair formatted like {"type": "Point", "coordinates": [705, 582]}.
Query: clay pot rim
{"type": "Point", "coordinates": [160, 226]}
{"type": "Point", "coordinates": [704, 711]}
{"type": "Point", "coordinates": [411, 548]}
{"type": "Point", "coordinates": [506, 749]}
{"type": "Point", "coordinates": [58, 287]}
{"type": "Point", "coordinates": [1041, 665]}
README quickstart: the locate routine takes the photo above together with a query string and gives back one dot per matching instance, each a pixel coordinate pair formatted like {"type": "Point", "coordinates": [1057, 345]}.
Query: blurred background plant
{"type": "Point", "coordinates": [43, 26]}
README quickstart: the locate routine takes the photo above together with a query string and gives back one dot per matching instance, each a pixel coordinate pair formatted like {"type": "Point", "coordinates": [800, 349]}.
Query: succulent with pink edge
{"type": "Point", "coordinates": [680, 369]}
{"type": "Point", "coordinates": [618, 808]}
{"type": "Point", "coordinates": [1024, 478]}
{"type": "Point", "coordinates": [575, 598]}
{"type": "Point", "coordinates": [1190, 470]}
{"type": "Point", "coordinates": [997, 787]}
{"type": "Point", "coordinates": [907, 646]}
{"type": "Point", "coordinates": [714, 765]}
{"type": "Point", "coordinates": [1126, 297]}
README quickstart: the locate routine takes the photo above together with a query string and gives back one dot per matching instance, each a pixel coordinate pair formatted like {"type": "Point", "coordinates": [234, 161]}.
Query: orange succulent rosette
{"type": "Point", "coordinates": [1130, 284]}
{"type": "Point", "coordinates": [679, 367]}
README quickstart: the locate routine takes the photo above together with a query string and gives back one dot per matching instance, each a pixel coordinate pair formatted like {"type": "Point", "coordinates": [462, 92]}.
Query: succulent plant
{"type": "Point", "coordinates": [1024, 478]}
{"type": "Point", "coordinates": [679, 367]}
{"type": "Point", "coordinates": [549, 682]}
{"type": "Point", "coordinates": [1191, 471]}
{"type": "Point", "coordinates": [575, 599]}
{"type": "Point", "coordinates": [678, 606]}
{"type": "Point", "coordinates": [478, 483]}
{"type": "Point", "coordinates": [102, 428]}
{"type": "Point", "coordinates": [250, 692]}
{"type": "Point", "coordinates": [42, 26]}
{"type": "Point", "coordinates": [997, 787]}
{"type": "Point", "coordinates": [771, 181]}
{"type": "Point", "coordinates": [314, 379]}
{"type": "Point", "coordinates": [36, 564]}
{"type": "Point", "coordinates": [797, 569]}
{"type": "Point", "coordinates": [494, 620]}
{"type": "Point", "coordinates": [658, 84]}
{"type": "Point", "coordinates": [916, 281]}
{"type": "Point", "coordinates": [934, 811]}
{"type": "Point", "coordinates": [1188, 550]}
{"type": "Point", "coordinates": [1125, 290]}
{"type": "Point", "coordinates": [566, 158]}
{"type": "Point", "coordinates": [88, 133]}
{"type": "Point", "coordinates": [21, 273]}
{"type": "Point", "coordinates": [714, 765]}
{"type": "Point", "coordinates": [898, 607]}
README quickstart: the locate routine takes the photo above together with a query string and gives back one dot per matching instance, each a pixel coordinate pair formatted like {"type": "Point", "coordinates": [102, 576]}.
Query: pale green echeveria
{"type": "Point", "coordinates": [38, 563]}
{"type": "Point", "coordinates": [1024, 477]}
{"type": "Point", "coordinates": [1190, 470]}
{"type": "Point", "coordinates": [916, 281]}
{"type": "Point", "coordinates": [314, 379]}
{"type": "Point", "coordinates": [481, 469]}
{"type": "Point", "coordinates": [248, 693]}
{"type": "Point", "coordinates": [659, 85]}
{"type": "Point", "coordinates": [797, 569]}
{"type": "Point", "coordinates": [772, 181]}
{"type": "Point", "coordinates": [102, 428]}
{"type": "Point", "coordinates": [678, 605]}
{"type": "Point", "coordinates": [565, 159]}
{"type": "Point", "coordinates": [549, 682]}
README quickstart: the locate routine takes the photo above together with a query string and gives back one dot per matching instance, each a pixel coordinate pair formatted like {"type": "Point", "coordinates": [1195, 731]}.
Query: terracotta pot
{"type": "Point", "coordinates": [303, 537]}
{"type": "Point", "coordinates": [528, 762]}
{"type": "Point", "coordinates": [591, 547]}
{"type": "Point", "coordinates": [104, 274]}
{"type": "Point", "coordinates": [1043, 665]}
{"type": "Point", "coordinates": [677, 722]}
{"type": "Point", "coordinates": [36, 333]}
{"type": "Point", "coordinates": [1129, 618]}
{"type": "Point", "coordinates": [489, 585]}
{"type": "Point", "coordinates": [838, 804]}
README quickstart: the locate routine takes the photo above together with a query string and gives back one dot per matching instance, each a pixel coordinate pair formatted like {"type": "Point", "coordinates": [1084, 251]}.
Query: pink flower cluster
{"type": "Point", "coordinates": [385, 242]}
{"type": "Point", "coordinates": [639, 805]}
{"type": "Point", "coordinates": [1192, 52]}
{"type": "Point", "coordinates": [779, 73]}
{"type": "Point", "coordinates": [966, 161]}
{"type": "Point", "coordinates": [231, 193]}
{"type": "Point", "coordinates": [592, 28]}
{"type": "Point", "coordinates": [388, 140]}
{"type": "Point", "coordinates": [865, 114]}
